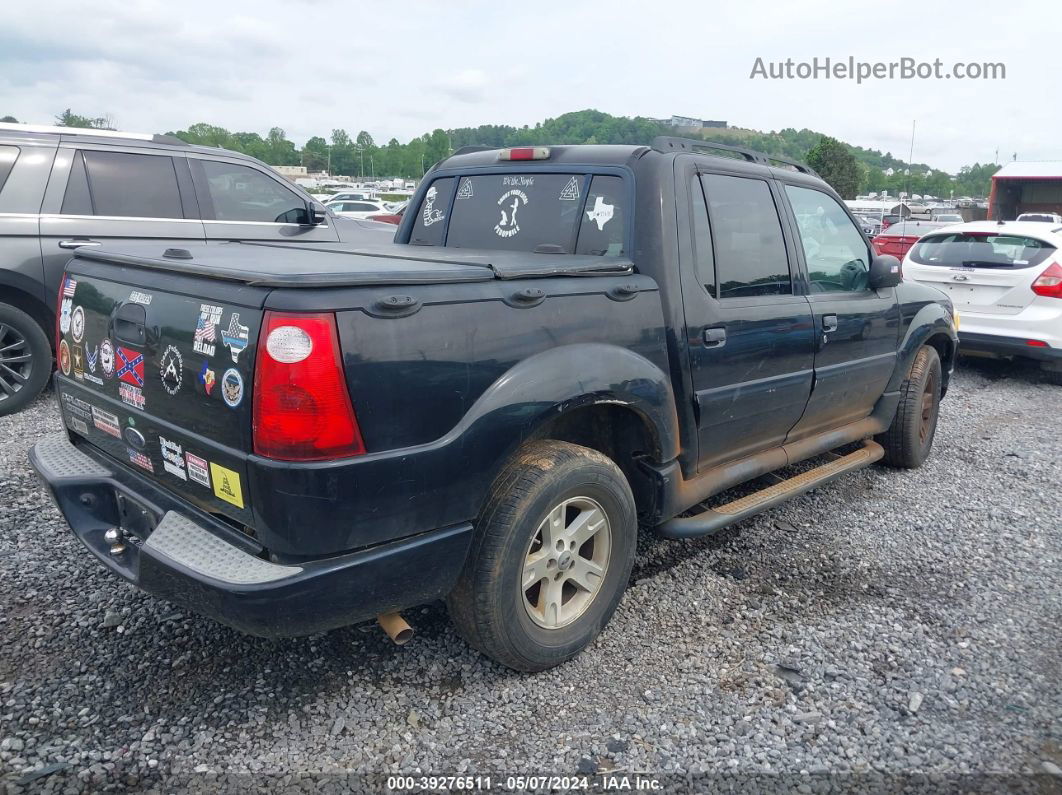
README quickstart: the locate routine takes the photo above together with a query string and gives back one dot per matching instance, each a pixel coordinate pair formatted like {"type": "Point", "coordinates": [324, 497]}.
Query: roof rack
{"type": "Point", "coordinates": [668, 143]}
{"type": "Point", "coordinates": [91, 132]}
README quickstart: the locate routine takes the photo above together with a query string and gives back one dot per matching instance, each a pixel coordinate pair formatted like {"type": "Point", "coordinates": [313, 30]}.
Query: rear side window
{"type": "Point", "coordinates": [8, 156]}
{"type": "Point", "coordinates": [535, 212]}
{"type": "Point", "coordinates": [750, 256]}
{"type": "Point", "coordinates": [429, 229]}
{"type": "Point", "coordinates": [977, 250]}
{"type": "Point", "coordinates": [123, 184]}
{"type": "Point", "coordinates": [702, 239]}
{"type": "Point", "coordinates": [240, 193]}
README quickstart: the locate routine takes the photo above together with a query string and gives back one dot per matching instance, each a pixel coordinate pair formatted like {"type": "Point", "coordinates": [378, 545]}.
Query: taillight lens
{"type": "Point", "coordinates": [1049, 283]}
{"type": "Point", "coordinates": [525, 153]}
{"type": "Point", "coordinates": [302, 410]}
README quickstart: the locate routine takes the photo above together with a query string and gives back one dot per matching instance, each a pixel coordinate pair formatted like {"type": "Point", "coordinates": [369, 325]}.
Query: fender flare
{"type": "Point", "coordinates": [929, 321]}
{"type": "Point", "coordinates": [558, 380]}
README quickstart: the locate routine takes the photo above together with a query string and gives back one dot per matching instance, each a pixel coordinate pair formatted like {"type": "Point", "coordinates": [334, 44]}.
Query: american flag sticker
{"type": "Point", "coordinates": [69, 286]}
{"type": "Point", "coordinates": [206, 329]}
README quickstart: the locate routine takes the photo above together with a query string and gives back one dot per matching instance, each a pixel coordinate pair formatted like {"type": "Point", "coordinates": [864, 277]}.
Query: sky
{"type": "Point", "coordinates": [402, 69]}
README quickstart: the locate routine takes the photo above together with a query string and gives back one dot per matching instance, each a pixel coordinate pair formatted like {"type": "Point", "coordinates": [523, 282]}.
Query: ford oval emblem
{"type": "Point", "coordinates": [134, 438]}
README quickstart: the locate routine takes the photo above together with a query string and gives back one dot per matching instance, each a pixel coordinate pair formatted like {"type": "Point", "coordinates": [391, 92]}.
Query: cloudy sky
{"type": "Point", "coordinates": [401, 69]}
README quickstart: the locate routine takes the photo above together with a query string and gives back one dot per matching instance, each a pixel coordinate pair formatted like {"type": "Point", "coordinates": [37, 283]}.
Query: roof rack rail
{"type": "Point", "coordinates": [92, 132]}
{"type": "Point", "coordinates": [464, 150]}
{"type": "Point", "coordinates": [668, 143]}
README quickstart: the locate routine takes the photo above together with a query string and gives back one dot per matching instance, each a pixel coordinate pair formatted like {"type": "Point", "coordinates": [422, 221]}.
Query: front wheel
{"type": "Point", "coordinates": [553, 551]}
{"type": "Point", "coordinates": [909, 439]}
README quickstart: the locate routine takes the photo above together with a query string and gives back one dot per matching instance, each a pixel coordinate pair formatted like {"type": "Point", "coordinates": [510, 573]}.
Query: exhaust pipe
{"type": "Point", "coordinates": [396, 628]}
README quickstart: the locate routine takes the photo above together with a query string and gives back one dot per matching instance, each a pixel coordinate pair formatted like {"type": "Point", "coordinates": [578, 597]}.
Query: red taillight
{"type": "Point", "coordinates": [1049, 283]}
{"type": "Point", "coordinates": [1037, 344]}
{"type": "Point", "coordinates": [302, 410]}
{"type": "Point", "coordinates": [525, 153]}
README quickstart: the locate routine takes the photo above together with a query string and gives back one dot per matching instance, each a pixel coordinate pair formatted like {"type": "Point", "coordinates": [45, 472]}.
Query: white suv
{"type": "Point", "coordinates": [1006, 282]}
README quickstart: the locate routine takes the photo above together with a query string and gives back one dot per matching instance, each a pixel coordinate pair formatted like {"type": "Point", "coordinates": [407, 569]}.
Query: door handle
{"type": "Point", "coordinates": [714, 337]}
{"type": "Point", "coordinates": [829, 323]}
{"type": "Point", "coordinates": [78, 242]}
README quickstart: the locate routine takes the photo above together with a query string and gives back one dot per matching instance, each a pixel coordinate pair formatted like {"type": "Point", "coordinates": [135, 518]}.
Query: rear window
{"type": "Point", "coordinates": [981, 251]}
{"type": "Point", "coordinates": [545, 213]}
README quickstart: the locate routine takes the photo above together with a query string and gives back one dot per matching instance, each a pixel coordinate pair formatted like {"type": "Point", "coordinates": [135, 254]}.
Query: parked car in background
{"type": "Point", "coordinates": [358, 209]}
{"type": "Point", "coordinates": [1005, 280]}
{"type": "Point", "coordinates": [392, 217]}
{"type": "Point", "coordinates": [62, 189]}
{"type": "Point", "coordinates": [898, 238]}
{"type": "Point", "coordinates": [869, 224]}
{"type": "Point", "coordinates": [564, 344]}
{"type": "Point", "coordinates": [347, 195]}
{"type": "Point", "coordinates": [1042, 218]}
{"type": "Point", "coordinates": [946, 218]}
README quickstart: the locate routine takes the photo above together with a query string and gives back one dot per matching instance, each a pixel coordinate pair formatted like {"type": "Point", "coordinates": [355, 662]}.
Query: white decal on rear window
{"type": "Point", "coordinates": [570, 193]}
{"type": "Point", "coordinates": [507, 226]}
{"type": "Point", "coordinates": [465, 191]}
{"type": "Point", "coordinates": [431, 215]}
{"type": "Point", "coordinates": [602, 213]}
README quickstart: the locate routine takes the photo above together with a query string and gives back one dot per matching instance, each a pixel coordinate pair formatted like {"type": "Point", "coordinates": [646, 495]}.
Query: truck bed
{"type": "Point", "coordinates": [347, 265]}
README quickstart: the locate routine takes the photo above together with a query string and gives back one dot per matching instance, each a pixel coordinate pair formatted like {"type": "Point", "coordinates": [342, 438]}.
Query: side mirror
{"type": "Point", "coordinates": [885, 272]}
{"type": "Point", "coordinates": [315, 213]}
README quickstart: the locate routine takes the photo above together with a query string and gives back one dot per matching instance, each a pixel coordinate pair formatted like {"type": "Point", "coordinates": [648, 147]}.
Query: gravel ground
{"type": "Point", "coordinates": [894, 627]}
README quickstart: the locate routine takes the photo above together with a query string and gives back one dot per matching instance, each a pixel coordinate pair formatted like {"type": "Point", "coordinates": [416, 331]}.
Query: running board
{"type": "Point", "coordinates": [715, 519]}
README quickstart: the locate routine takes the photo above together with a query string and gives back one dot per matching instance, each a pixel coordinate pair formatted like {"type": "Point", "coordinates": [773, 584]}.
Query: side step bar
{"type": "Point", "coordinates": [715, 519]}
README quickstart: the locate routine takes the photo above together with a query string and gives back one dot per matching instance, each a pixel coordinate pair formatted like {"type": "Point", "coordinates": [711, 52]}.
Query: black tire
{"type": "Point", "coordinates": [488, 603]}
{"type": "Point", "coordinates": [1053, 375]}
{"type": "Point", "coordinates": [21, 378]}
{"type": "Point", "coordinates": [909, 439]}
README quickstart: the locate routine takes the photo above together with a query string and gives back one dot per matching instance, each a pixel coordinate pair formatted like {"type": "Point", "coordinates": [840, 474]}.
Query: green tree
{"type": "Point", "coordinates": [315, 154]}
{"type": "Point", "coordinates": [70, 119]}
{"type": "Point", "coordinates": [9, 120]}
{"type": "Point", "coordinates": [836, 165]}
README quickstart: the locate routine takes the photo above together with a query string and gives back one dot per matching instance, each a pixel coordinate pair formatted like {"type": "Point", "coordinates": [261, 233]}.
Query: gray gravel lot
{"type": "Point", "coordinates": [897, 623]}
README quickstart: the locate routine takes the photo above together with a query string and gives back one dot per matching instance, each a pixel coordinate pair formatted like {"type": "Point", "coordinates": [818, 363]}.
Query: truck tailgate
{"type": "Point", "coordinates": [159, 380]}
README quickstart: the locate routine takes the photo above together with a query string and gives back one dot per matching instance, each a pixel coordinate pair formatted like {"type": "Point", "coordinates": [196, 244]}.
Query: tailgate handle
{"type": "Point", "coordinates": [78, 242]}
{"type": "Point", "coordinates": [130, 324]}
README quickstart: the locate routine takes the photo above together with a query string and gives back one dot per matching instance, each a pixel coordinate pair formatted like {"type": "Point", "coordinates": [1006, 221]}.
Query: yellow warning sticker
{"type": "Point", "coordinates": [226, 485]}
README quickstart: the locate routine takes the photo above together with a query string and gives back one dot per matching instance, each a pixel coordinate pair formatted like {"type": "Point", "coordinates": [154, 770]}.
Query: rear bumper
{"type": "Point", "coordinates": [176, 552]}
{"type": "Point", "coordinates": [999, 345]}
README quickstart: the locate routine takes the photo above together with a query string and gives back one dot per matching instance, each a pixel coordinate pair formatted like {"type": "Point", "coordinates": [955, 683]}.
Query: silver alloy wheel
{"type": "Point", "coordinates": [566, 562]}
{"type": "Point", "coordinates": [16, 361]}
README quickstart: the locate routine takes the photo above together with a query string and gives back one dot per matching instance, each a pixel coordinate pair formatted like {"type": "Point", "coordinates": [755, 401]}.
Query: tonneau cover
{"type": "Point", "coordinates": [347, 265]}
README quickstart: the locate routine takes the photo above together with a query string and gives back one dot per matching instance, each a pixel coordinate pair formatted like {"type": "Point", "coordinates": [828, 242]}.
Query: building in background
{"type": "Point", "coordinates": [1026, 187]}
{"type": "Point", "coordinates": [689, 123]}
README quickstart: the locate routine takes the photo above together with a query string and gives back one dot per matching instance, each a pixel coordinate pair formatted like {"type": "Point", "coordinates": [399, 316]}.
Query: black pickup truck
{"type": "Point", "coordinates": [562, 344]}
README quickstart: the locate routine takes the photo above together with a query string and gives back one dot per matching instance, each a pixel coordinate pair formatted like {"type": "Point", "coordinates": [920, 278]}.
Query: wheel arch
{"type": "Point", "coordinates": [931, 325]}
{"type": "Point", "coordinates": [14, 293]}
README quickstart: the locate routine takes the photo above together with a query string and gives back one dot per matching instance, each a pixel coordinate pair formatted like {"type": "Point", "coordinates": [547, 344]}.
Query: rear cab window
{"type": "Point", "coordinates": [548, 213]}
{"type": "Point", "coordinates": [981, 250]}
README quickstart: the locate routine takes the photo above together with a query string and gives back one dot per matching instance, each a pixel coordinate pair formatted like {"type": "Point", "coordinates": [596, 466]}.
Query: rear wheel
{"type": "Point", "coordinates": [1053, 373]}
{"type": "Point", "coordinates": [25, 359]}
{"type": "Point", "coordinates": [909, 439]}
{"type": "Point", "coordinates": [553, 551]}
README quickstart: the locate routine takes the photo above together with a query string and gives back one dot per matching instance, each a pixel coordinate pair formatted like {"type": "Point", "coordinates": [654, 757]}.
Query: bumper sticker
{"type": "Point", "coordinates": [236, 337]}
{"type": "Point", "coordinates": [77, 324]}
{"type": "Point", "coordinates": [107, 357]}
{"type": "Point", "coordinates": [106, 422]}
{"type": "Point", "coordinates": [226, 485]}
{"type": "Point", "coordinates": [232, 387]}
{"type": "Point", "coordinates": [206, 329]}
{"type": "Point", "coordinates": [198, 469]}
{"type": "Point", "coordinates": [172, 370]}
{"type": "Point", "coordinates": [131, 396]}
{"type": "Point", "coordinates": [140, 460]}
{"type": "Point", "coordinates": [172, 458]}
{"type": "Point", "coordinates": [64, 357]}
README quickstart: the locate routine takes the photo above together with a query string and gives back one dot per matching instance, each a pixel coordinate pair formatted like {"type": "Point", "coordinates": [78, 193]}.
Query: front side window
{"type": "Point", "coordinates": [240, 193]}
{"type": "Point", "coordinates": [837, 258]}
{"type": "Point", "coordinates": [750, 256]}
{"type": "Point", "coordinates": [123, 185]}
